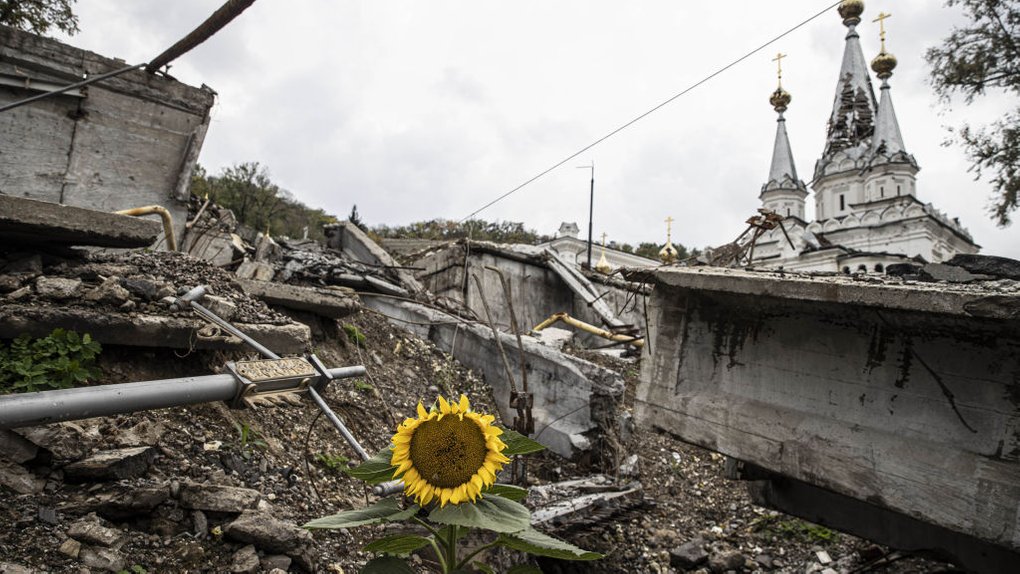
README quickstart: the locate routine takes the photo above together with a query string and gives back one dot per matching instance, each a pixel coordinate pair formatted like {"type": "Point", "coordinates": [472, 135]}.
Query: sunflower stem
{"type": "Point", "coordinates": [439, 553]}
{"type": "Point", "coordinates": [451, 547]}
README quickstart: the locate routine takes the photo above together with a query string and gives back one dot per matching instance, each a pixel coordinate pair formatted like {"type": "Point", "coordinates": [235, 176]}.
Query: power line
{"type": "Point", "coordinates": [649, 112]}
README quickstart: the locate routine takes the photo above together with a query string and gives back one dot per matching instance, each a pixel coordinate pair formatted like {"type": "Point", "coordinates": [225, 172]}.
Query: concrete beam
{"type": "Point", "coordinates": [140, 330]}
{"type": "Point", "coordinates": [347, 237]}
{"type": "Point", "coordinates": [29, 220]}
{"type": "Point", "coordinates": [331, 302]}
{"type": "Point", "coordinates": [576, 401]}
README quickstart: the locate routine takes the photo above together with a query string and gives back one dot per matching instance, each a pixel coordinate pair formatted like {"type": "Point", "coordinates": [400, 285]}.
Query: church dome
{"type": "Point", "coordinates": [851, 10]}
{"type": "Point", "coordinates": [884, 64]}
{"type": "Point", "coordinates": [668, 254]}
{"type": "Point", "coordinates": [780, 99]}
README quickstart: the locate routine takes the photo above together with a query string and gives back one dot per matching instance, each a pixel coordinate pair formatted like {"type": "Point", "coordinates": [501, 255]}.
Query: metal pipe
{"type": "Point", "coordinates": [168, 221]}
{"type": "Point", "coordinates": [339, 424]}
{"type": "Point", "coordinates": [220, 18]}
{"type": "Point", "coordinates": [556, 317]}
{"type": "Point", "coordinates": [69, 87]}
{"type": "Point", "coordinates": [29, 409]}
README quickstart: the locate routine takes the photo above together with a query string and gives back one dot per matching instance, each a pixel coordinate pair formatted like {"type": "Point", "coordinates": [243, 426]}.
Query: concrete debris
{"type": "Point", "coordinates": [272, 535]}
{"type": "Point", "coordinates": [109, 292]}
{"type": "Point", "coordinates": [689, 555]}
{"type": "Point", "coordinates": [57, 288]}
{"type": "Point", "coordinates": [16, 478]}
{"type": "Point", "coordinates": [331, 301]}
{"type": "Point", "coordinates": [102, 559]}
{"type": "Point", "coordinates": [216, 498]}
{"type": "Point", "coordinates": [630, 467]}
{"type": "Point", "coordinates": [11, 568]}
{"type": "Point", "coordinates": [554, 337]}
{"type": "Point", "coordinates": [30, 221]}
{"type": "Point", "coordinates": [279, 562]}
{"type": "Point", "coordinates": [112, 464]}
{"type": "Point", "coordinates": [16, 448]}
{"type": "Point", "coordinates": [71, 547]}
{"type": "Point", "coordinates": [948, 273]}
{"type": "Point", "coordinates": [576, 500]}
{"type": "Point", "coordinates": [255, 270]}
{"type": "Point", "coordinates": [123, 504]}
{"type": "Point", "coordinates": [245, 561]}
{"type": "Point", "coordinates": [1002, 267]}
{"type": "Point", "coordinates": [726, 561]}
{"type": "Point", "coordinates": [68, 440]}
{"type": "Point", "coordinates": [145, 433]}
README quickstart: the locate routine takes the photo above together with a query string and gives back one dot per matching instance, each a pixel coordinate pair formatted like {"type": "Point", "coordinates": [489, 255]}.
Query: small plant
{"type": "Point", "coordinates": [794, 529]}
{"type": "Point", "coordinates": [57, 361]}
{"type": "Point", "coordinates": [249, 439]}
{"type": "Point", "coordinates": [363, 385]}
{"type": "Point", "coordinates": [354, 334]}
{"type": "Point", "coordinates": [336, 463]}
{"type": "Point", "coordinates": [448, 458]}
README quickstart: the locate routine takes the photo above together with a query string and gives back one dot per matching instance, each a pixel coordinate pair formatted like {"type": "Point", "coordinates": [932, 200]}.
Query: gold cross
{"type": "Point", "coordinates": [779, 66]}
{"type": "Point", "coordinates": [881, 27]}
{"type": "Point", "coordinates": [669, 226]}
{"type": "Point", "coordinates": [603, 239]}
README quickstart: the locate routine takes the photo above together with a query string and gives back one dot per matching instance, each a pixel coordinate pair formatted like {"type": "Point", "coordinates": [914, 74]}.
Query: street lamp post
{"type": "Point", "coordinates": [591, 206]}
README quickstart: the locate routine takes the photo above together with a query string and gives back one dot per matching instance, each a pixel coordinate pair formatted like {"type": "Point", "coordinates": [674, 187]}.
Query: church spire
{"type": "Point", "coordinates": [783, 192]}
{"type": "Point", "coordinates": [887, 141]}
{"type": "Point", "coordinates": [851, 123]}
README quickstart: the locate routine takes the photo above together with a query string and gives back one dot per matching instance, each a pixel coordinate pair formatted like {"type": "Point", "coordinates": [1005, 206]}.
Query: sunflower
{"type": "Point", "coordinates": [448, 454]}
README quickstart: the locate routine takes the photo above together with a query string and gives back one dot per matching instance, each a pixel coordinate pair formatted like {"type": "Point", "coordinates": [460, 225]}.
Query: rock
{"type": "Point", "coordinates": [764, 560]}
{"type": "Point", "coordinates": [200, 524]}
{"type": "Point", "coordinates": [19, 294]}
{"type": "Point", "coordinates": [136, 502]}
{"type": "Point", "coordinates": [555, 337]}
{"type": "Point", "coordinates": [255, 270]}
{"type": "Point", "coordinates": [725, 560]}
{"type": "Point", "coordinates": [145, 433]}
{"type": "Point", "coordinates": [630, 466]}
{"type": "Point", "coordinates": [268, 533]}
{"type": "Point", "coordinates": [276, 562]}
{"type": "Point", "coordinates": [57, 288]}
{"type": "Point", "coordinates": [147, 288]}
{"type": "Point", "coordinates": [245, 561]}
{"type": "Point", "coordinates": [902, 269]}
{"type": "Point", "coordinates": [102, 558]}
{"type": "Point", "coordinates": [16, 448]}
{"type": "Point", "coordinates": [71, 547]}
{"type": "Point", "coordinates": [947, 273]}
{"type": "Point", "coordinates": [988, 265]}
{"type": "Point", "coordinates": [48, 514]}
{"type": "Point", "coordinates": [16, 478]}
{"type": "Point", "coordinates": [68, 440]}
{"type": "Point", "coordinates": [27, 264]}
{"type": "Point", "coordinates": [11, 568]}
{"type": "Point", "coordinates": [90, 531]}
{"type": "Point", "coordinates": [225, 308]}
{"type": "Point", "coordinates": [823, 557]}
{"type": "Point", "coordinates": [115, 464]}
{"type": "Point", "coordinates": [109, 292]}
{"type": "Point", "coordinates": [215, 498]}
{"type": "Point", "coordinates": [689, 555]}
{"type": "Point", "coordinates": [10, 283]}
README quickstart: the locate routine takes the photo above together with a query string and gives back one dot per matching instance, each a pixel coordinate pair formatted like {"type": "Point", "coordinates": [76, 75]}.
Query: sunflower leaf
{"type": "Point", "coordinates": [396, 544]}
{"type": "Point", "coordinates": [386, 565]}
{"type": "Point", "coordinates": [524, 569]}
{"type": "Point", "coordinates": [535, 542]}
{"type": "Point", "coordinates": [376, 469]}
{"type": "Point", "coordinates": [516, 443]}
{"type": "Point", "coordinates": [386, 510]}
{"type": "Point", "coordinates": [514, 493]}
{"type": "Point", "coordinates": [491, 513]}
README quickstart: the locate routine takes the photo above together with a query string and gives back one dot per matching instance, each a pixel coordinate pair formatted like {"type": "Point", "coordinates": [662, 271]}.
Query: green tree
{"type": "Point", "coordinates": [38, 16]}
{"type": "Point", "coordinates": [972, 60]}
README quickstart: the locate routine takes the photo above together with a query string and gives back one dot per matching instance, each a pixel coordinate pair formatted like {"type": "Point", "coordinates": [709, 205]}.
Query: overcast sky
{"type": "Point", "coordinates": [415, 110]}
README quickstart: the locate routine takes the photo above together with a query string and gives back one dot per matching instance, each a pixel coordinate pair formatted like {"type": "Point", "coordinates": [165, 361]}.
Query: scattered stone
{"type": "Point", "coordinates": [147, 288]}
{"type": "Point", "coordinates": [555, 337]}
{"type": "Point", "coordinates": [16, 448]}
{"type": "Point", "coordinates": [48, 514]}
{"type": "Point", "coordinates": [255, 270]}
{"type": "Point", "coordinates": [11, 568]}
{"type": "Point", "coordinates": [725, 560]}
{"type": "Point", "coordinates": [121, 505]}
{"type": "Point", "coordinates": [225, 308]}
{"type": "Point", "coordinates": [246, 561]}
{"type": "Point", "coordinates": [947, 273]}
{"type": "Point", "coordinates": [823, 557]}
{"type": "Point", "coordinates": [112, 464]}
{"type": "Point", "coordinates": [902, 269]}
{"type": "Point", "coordinates": [268, 533]}
{"type": "Point", "coordinates": [102, 558]}
{"type": "Point", "coordinates": [988, 265]}
{"type": "Point", "coordinates": [71, 547]}
{"type": "Point", "coordinates": [57, 288]}
{"type": "Point", "coordinates": [764, 560]}
{"type": "Point", "coordinates": [109, 292]}
{"type": "Point", "coordinates": [689, 555]}
{"type": "Point", "coordinates": [19, 294]}
{"type": "Point", "coordinates": [16, 478]}
{"type": "Point", "coordinates": [9, 283]}
{"type": "Point", "coordinates": [276, 562]}
{"type": "Point", "coordinates": [630, 467]}
{"type": "Point", "coordinates": [145, 433]}
{"type": "Point", "coordinates": [214, 498]}
{"type": "Point", "coordinates": [200, 524]}
{"type": "Point", "coordinates": [90, 531]}
{"type": "Point", "coordinates": [829, 571]}
{"type": "Point", "coordinates": [68, 440]}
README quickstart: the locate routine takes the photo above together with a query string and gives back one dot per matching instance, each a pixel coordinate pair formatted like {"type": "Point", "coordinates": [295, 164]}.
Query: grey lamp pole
{"type": "Point", "coordinates": [591, 206]}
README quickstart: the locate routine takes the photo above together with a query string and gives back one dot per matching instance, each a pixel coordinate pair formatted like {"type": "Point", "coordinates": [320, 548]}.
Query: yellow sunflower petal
{"type": "Point", "coordinates": [465, 405]}
{"type": "Point", "coordinates": [444, 407]}
{"type": "Point", "coordinates": [422, 413]}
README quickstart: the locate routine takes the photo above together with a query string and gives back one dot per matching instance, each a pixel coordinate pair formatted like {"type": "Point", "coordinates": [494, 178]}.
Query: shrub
{"type": "Point", "coordinates": [57, 361]}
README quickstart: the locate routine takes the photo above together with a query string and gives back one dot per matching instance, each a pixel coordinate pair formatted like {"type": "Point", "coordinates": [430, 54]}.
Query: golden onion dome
{"type": "Point", "coordinates": [884, 64]}
{"type": "Point", "coordinates": [851, 10]}
{"type": "Point", "coordinates": [780, 99]}
{"type": "Point", "coordinates": [668, 254]}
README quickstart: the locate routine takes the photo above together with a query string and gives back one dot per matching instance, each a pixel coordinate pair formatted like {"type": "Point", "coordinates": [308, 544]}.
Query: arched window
{"type": "Point", "coordinates": [862, 268]}
{"type": "Point", "coordinates": [846, 269]}
{"type": "Point", "coordinates": [879, 268]}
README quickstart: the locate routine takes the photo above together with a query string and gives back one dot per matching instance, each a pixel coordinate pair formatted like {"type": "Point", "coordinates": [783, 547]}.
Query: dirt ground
{"type": "Point", "coordinates": [295, 460]}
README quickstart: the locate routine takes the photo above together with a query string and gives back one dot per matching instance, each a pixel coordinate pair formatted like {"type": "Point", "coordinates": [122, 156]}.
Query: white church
{"type": "Point", "coordinates": [867, 208]}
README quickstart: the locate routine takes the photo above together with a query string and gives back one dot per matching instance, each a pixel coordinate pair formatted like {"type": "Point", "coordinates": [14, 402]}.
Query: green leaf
{"type": "Point", "coordinates": [376, 469]}
{"type": "Point", "coordinates": [516, 443]}
{"type": "Point", "coordinates": [386, 510]}
{"type": "Point", "coordinates": [396, 544]}
{"type": "Point", "coordinates": [483, 568]}
{"type": "Point", "coordinates": [535, 542]}
{"type": "Point", "coordinates": [524, 569]}
{"type": "Point", "coordinates": [509, 491]}
{"type": "Point", "coordinates": [386, 565]}
{"type": "Point", "coordinates": [493, 513]}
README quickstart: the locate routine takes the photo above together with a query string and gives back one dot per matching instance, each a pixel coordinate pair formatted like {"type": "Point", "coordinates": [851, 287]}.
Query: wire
{"type": "Point", "coordinates": [649, 112]}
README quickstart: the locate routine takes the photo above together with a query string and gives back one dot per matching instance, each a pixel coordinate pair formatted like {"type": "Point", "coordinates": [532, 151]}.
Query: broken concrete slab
{"type": "Point", "coordinates": [126, 504]}
{"type": "Point", "coordinates": [103, 559]}
{"type": "Point", "coordinates": [245, 561]}
{"type": "Point", "coordinates": [268, 533]}
{"type": "Point", "coordinates": [57, 288]}
{"type": "Point", "coordinates": [216, 498]}
{"type": "Point", "coordinates": [988, 265]}
{"type": "Point", "coordinates": [115, 464]}
{"type": "Point", "coordinates": [90, 531]}
{"type": "Point", "coordinates": [255, 270]}
{"type": "Point", "coordinates": [332, 302]}
{"type": "Point", "coordinates": [16, 448]}
{"type": "Point", "coordinates": [576, 402]}
{"type": "Point", "coordinates": [32, 221]}
{"type": "Point", "coordinates": [143, 330]}
{"type": "Point", "coordinates": [16, 478]}
{"type": "Point", "coordinates": [947, 273]}
{"type": "Point", "coordinates": [348, 238]}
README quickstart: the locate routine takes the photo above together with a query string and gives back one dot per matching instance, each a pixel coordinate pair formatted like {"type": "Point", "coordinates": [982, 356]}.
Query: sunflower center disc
{"type": "Point", "coordinates": [447, 453]}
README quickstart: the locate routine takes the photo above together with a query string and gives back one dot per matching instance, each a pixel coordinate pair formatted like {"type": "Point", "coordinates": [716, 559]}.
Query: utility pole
{"type": "Point", "coordinates": [591, 206]}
